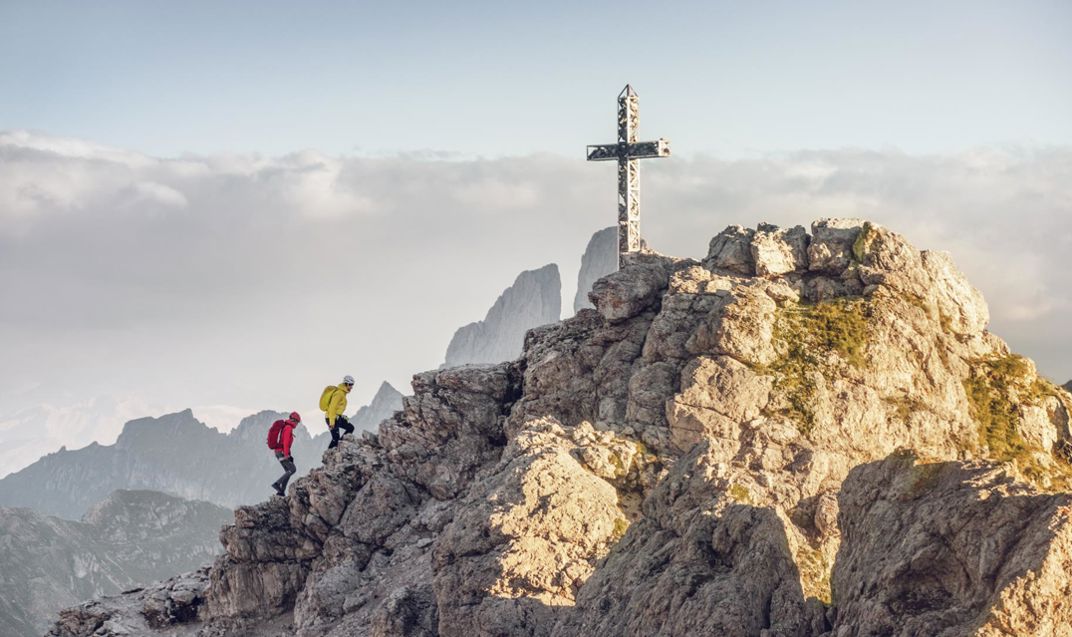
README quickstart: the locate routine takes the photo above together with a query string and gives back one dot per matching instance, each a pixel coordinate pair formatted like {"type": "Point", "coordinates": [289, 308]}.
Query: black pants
{"type": "Point", "coordinates": [340, 423]}
{"type": "Point", "coordinates": [288, 466]}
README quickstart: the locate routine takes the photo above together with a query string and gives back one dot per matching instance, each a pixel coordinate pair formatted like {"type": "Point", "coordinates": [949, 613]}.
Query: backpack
{"type": "Point", "coordinates": [275, 434]}
{"type": "Point", "coordinates": [325, 397]}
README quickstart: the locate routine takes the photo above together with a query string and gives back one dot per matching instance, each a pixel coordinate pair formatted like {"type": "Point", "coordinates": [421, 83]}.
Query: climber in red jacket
{"type": "Point", "coordinates": [280, 437]}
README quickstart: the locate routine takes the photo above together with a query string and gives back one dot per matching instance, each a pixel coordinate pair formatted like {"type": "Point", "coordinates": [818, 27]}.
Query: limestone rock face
{"type": "Point", "coordinates": [776, 251]}
{"type": "Point", "coordinates": [951, 548]}
{"type": "Point", "coordinates": [535, 298]}
{"type": "Point", "coordinates": [600, 258]}
{"type": "Point", "coordinates": [716, 447]}
{"type": "Point", "coordinates": [523, 539]}
{"type": "Point", "coordinates": [832, 243]}
{"type": "Point", "coordinates": [731, 250]}
{"type": "Point", "coordinates": [723, 568]}
{"type": "Point", "coordinates": [139, 611]}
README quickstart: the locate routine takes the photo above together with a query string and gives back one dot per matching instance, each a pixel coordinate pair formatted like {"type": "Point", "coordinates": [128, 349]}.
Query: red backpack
{"type": "Point", "coordinates": [275, 434]}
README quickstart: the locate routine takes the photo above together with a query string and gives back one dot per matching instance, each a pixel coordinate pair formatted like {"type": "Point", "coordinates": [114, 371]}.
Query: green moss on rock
{"type": "Point", "coordinates": [902, 407]}
{"type": "Point", "coordinates": [996, 389]}
{"type": "Point", "coordinates": [998, 417]}
{"type": "Point", "coordinates": [740, 494]}
{"type": "Point", "coordinates": [808, 334]}
{"type": "Point", "coordinates": [815, 574]}
{"type": "Point", "coordinates": [864, 239]}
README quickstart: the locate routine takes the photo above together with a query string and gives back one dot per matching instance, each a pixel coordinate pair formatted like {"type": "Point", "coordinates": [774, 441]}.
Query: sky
{"type": "Point", "coordinates": [226, 206]}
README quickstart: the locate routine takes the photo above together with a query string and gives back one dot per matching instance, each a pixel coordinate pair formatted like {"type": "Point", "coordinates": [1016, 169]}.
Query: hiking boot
{"type": "Point", "coordinates": [279, 490]}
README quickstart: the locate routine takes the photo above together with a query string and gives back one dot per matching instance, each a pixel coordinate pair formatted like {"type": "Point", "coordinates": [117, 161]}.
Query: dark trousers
{"type": "Point", "coordinates": [288, 466]}
{"type": "Point", "coordinates": [341, 423]}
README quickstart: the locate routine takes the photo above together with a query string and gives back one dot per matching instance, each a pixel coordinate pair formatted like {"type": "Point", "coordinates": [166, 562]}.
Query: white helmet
{"type": "Point", "coordinates": [348, 380]}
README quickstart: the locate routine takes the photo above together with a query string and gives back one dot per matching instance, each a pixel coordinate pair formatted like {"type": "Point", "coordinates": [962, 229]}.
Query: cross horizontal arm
{"type": "Point", "coordinates": [639, 150]}
{"type": "Point", "coordinates": [603, 152]}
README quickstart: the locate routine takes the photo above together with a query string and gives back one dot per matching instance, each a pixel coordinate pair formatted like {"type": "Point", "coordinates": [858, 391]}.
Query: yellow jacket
{"type": "Point", "coordinates": [337, 404]}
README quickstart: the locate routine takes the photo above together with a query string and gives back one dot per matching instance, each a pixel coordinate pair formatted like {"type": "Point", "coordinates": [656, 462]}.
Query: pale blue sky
{"type": "Point", "coordinates": [508, 78]}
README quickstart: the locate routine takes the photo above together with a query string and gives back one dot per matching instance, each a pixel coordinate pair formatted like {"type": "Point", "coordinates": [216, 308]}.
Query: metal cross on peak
{"type": "Point", "coordinates": [626, 152]}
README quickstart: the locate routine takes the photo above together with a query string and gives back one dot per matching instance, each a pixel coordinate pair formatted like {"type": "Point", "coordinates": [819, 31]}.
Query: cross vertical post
{"type": "Point", "coordinates": [628, 174]}
{"type": "Point", "coordinates": [627, 151]}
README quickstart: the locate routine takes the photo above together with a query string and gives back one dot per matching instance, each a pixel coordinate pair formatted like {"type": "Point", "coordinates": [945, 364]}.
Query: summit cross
{"type": "Point", "coordinates": [627, 151]}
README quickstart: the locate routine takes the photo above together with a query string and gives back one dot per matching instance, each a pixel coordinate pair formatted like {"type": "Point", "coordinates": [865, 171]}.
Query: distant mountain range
{"type": "Point", "coordinates": [600, 258]}
{"type": "Point", "coordinates": [387, 401]}
{"type": "Point", "coordinates": [176, 454]}
{"type": "Point", "coordinates": [534, 299]}
{"type": "Point", "coordinates": [129, 538]}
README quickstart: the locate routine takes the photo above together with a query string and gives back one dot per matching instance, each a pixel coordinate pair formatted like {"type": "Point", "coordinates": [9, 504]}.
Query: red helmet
{"type": "Point", "coordinates": [295, 416]}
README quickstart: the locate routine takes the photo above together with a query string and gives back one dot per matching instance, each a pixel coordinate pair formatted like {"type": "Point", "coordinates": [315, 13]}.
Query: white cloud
{"type": "Point", "coordinates": [149, 192]}
{"type": "Point", "coordinates": [71, 148]}
{"type": "Point", "coordinates": [312, 185]}
{"type": "Point", "coordinates": [224, 417]}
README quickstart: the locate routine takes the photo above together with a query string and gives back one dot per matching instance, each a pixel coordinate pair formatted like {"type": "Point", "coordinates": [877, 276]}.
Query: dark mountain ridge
{"type": "Point", "coordinates": [130, 538]}
{"type": "Point", "coordinates": [175, 453]}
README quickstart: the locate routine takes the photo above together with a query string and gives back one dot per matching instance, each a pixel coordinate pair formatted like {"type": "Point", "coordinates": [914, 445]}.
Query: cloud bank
{"type": "Point", "coordinates": [228, 281]}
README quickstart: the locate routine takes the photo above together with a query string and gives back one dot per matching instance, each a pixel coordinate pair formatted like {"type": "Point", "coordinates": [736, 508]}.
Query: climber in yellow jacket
{"type": "Point", "coordinates": [333, 402]}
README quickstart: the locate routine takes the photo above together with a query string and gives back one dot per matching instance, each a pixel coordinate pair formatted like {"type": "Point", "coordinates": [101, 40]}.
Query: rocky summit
{"type": "Point", "coordinates": [807, 433]}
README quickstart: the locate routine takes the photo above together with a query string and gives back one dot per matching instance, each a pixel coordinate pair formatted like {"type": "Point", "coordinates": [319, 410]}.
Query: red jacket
{"type": "Point", "coordinates": [287, 437]}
